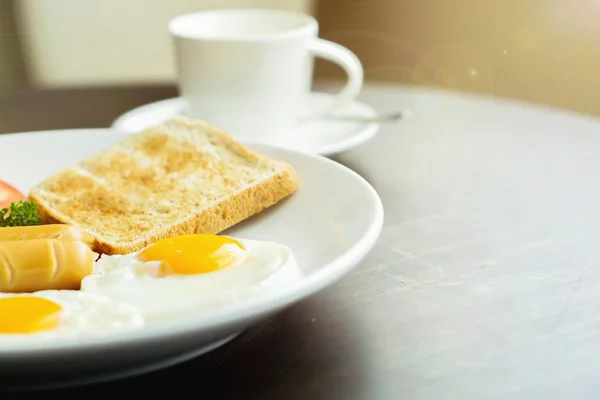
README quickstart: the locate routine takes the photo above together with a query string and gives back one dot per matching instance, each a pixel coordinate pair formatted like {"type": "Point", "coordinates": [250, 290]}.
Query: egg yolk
{"type": "Point", "coordinates": [28, 314]}
{"type": "Point", "coordinates": [193, 254]}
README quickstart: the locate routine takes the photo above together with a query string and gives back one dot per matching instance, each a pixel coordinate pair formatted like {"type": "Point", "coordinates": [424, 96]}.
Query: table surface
{"type": "Point", "coordinates": [484, 284]}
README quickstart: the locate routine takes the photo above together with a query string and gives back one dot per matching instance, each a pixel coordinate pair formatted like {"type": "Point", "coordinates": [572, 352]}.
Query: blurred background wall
{"type": "Point", "coordinates": [97, 42]}
{"type": "Point", "coordinates": [12, 70]}
{"type": "Point", "coordinates": [543, 51]}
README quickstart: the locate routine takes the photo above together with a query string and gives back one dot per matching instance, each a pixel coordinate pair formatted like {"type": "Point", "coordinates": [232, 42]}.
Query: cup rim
{"type": "Point", "coordinates": [308, 26]}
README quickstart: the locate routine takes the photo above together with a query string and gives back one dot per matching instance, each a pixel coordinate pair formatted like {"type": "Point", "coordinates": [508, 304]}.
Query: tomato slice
{"type": "Point", "coordinates": [9, 194]}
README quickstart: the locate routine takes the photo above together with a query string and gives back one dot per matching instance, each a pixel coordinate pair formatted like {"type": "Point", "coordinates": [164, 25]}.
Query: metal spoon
{"type": "Point", "coordinates": [392, 117]}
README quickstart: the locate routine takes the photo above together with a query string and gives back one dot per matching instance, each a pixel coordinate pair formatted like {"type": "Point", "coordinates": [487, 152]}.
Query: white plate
{"type": "Point", "coordinates": [331, 224]}
{"type": "Point", "coordinates": [321, 136]}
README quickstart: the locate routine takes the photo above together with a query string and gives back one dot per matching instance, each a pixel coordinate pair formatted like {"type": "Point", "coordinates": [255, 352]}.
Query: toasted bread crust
{"type": "Point", "coordinates": [214, 218]}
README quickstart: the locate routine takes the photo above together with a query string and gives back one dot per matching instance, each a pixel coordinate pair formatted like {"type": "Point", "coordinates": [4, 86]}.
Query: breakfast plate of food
{"type": "Point", "coordinates": [125, 253]}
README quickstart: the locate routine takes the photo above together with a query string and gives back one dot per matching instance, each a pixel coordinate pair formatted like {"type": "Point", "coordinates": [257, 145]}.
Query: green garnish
{"type": "Point", "coordinates": [21, 213]}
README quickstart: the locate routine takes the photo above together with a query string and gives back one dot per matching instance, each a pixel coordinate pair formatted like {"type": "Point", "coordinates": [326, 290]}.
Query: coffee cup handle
{"type": "Point", "coordinates": [350, 64]}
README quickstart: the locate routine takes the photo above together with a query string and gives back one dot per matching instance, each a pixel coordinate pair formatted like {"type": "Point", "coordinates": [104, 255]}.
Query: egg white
{"type": "Point", "coordinates": [82, 315]}
{"type": "Point", "coordinates": [265, 267]}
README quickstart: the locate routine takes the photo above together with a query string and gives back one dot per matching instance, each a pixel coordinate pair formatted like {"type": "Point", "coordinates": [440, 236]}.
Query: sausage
{"type": "Point", "coordinates": [53, 231]}
{"type": "Point", "coordinates": [43, 264]}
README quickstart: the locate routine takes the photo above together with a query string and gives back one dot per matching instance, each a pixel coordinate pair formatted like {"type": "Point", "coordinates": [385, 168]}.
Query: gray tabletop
{"type": "Point", "coordinates": [485, 283]}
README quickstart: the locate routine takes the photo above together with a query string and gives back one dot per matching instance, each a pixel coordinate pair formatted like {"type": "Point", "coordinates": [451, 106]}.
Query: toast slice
{"type": "Point", "coordinates": [179, 177]}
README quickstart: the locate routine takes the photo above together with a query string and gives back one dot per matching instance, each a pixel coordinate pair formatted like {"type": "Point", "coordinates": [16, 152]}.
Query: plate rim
{"type": "Point", "coordinates": [368, 131]}
{"type": "Point", "coordinates": [315, 282]}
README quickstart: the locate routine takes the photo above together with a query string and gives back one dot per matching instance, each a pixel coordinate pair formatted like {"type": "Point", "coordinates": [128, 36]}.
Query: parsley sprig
{"type": "Point", "coordinates": [21, 213]}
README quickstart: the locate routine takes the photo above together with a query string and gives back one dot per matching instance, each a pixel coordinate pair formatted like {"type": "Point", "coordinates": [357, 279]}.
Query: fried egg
{"type": "Point", "coordinates": [194, 272]}
{"type": "Point", "coordinates": [56, 314]}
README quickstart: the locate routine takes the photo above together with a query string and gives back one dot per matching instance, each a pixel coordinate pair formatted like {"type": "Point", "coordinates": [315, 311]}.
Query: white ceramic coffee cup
{"type": "Point", "coordinates": [249, 72]}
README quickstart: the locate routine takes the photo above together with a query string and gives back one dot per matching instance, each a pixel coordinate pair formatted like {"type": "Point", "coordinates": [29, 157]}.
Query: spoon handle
{"type": "Point", "coordinates": [396, 116]}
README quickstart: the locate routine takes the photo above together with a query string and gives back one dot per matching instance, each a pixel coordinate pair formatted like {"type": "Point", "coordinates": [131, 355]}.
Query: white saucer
{"type": "Point", "coordinates": [322, 136]}
{"type": "Point", "coordinates": [330, 224]}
